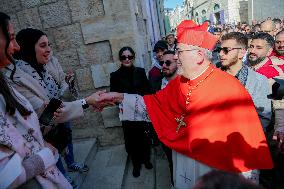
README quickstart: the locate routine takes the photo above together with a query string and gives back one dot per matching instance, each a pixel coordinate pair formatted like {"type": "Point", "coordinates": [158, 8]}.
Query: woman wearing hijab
{"type": "Point", "coordinates": [24, 155]}
{"type": "Point", "coordinates": [39, 77]}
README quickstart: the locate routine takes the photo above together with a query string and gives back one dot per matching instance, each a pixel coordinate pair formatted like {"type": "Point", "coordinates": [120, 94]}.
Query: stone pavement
{"type": "Point", "coordinates": [112, 169]}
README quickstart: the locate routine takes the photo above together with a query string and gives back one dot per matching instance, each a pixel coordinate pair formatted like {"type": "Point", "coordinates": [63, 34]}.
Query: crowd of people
{"type": "Point", "coordinates": [212, 100]}
{"type": "Point", "coordinates": [251, 54]}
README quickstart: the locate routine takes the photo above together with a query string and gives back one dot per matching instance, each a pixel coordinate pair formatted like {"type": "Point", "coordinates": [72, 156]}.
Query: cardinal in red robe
{"type": "Point", "coordinates": [209, 116]}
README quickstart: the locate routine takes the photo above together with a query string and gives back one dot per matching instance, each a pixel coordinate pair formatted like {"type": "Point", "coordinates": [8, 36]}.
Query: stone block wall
{"type": "Point", "coordinates": [86, 36]}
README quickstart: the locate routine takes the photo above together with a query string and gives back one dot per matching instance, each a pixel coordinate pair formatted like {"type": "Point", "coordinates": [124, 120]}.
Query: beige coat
{"type": "Point", "coordinates": [34, 92]}
{"type": "Point", "coordinates": [20, 138]}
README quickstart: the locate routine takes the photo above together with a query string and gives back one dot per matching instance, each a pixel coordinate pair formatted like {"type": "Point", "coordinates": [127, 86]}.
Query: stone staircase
{"type": "Point", "coordinates": [110, 168]}
{"type": "Point", "coordinates": [84, 152]}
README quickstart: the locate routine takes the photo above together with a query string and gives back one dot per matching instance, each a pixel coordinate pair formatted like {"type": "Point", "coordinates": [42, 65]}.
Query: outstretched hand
{"type": "Point", "coordinates": [101, 99]}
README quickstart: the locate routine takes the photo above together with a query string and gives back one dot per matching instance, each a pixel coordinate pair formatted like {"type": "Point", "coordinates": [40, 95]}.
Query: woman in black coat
{"type": "Point", "coordinates": [133, 80]}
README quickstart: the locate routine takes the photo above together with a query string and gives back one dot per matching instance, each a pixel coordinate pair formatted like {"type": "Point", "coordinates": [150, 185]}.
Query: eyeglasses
{"type": "Point", "coordinates": [226, 50]}
{"type": "Point", "coordinates": [178, 51]}
{"type": "Point", "coordinates": [123, 57]}
{"type": "Point", "coordinates": [167, 62]}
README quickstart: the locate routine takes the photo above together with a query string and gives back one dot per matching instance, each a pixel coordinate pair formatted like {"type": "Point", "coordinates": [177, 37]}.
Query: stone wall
{"type": "Point", "coordinates": [86, 36]}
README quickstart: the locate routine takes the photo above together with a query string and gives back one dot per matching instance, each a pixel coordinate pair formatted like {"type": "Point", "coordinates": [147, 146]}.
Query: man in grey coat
{"type": "Point", "coordinates": [232, 51]}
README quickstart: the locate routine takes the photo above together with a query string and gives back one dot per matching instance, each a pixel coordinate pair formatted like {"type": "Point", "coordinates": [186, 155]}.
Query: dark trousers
{"type": "Point", "coordinates": [137, 143]}
{"type": "Point", "coordinates": [168, 153]}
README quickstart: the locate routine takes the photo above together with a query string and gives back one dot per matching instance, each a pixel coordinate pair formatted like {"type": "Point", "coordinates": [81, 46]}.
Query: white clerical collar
{"type": "Point", "coordinates": [200, 73]}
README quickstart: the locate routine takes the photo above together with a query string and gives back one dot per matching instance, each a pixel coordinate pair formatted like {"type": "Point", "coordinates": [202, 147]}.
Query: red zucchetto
{"type": "Point", "coordinates": [190, 33]}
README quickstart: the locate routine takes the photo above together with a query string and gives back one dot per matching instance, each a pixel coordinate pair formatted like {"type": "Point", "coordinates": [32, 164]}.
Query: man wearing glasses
{"type": "Point", "coordinates": [169, 67]}
{"type": "Point", "coordinates": [204, 115]}
{"type": "Point", "coordinates": [232, 51]}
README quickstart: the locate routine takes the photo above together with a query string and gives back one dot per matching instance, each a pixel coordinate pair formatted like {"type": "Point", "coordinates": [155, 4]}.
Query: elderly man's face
{"type": "Point", "coordinates": [171, 39]}
{"type": "Point", "coordinates": [188, 59]}
{"type": "Point", "coordinates": [268, 27]}
{"type": "Point", "coordinates": [279, 44]}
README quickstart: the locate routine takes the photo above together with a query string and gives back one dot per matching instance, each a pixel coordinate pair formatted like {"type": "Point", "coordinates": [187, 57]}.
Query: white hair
{"type": "Point", "coordinates": [207, 52]}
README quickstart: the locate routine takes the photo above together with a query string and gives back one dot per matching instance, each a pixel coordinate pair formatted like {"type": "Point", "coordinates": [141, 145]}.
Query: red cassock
{"type": "Point", "coordinates": [222, 128]}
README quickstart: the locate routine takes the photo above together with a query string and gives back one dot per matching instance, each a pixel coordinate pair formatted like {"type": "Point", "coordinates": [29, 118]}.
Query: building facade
{"type": "Point", "coordinates": [217, 11]}
{"type": "Point", "coordinates": [86, 36]}
{"type": "Point", "coordinates": [176, 16]}
{"type": "Point", "coordinates": [262, 9]}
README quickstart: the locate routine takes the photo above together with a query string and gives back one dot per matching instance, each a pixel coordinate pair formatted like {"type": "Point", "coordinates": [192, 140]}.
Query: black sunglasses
{"type": "Point", "coordinates": [167, 62]}
{"type": "Point", "coordinates": [123, 57]}
{"type": "Point", "coordinates": [226, 50]}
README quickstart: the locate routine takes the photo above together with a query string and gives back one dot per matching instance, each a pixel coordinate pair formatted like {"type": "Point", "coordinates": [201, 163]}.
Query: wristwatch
{"type": "Point", "coordinates": [85, 105]}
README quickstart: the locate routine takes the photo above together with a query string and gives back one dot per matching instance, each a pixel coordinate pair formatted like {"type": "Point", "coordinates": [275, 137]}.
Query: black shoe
{"type": "Point", "coordinates": [148, 165]}
{"type": "Point", "coordinates": [136, 172]}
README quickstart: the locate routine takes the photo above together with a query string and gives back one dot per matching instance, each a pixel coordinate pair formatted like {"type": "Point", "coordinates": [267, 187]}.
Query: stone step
{"type": "Point", "coordinates": [84, 152]}
{"type": "Point", "coordinates": [162, 170]}
{"type": "Point", "coordinates": [146, 180]}
{"type": "Point", "coordinates": [107, 169]}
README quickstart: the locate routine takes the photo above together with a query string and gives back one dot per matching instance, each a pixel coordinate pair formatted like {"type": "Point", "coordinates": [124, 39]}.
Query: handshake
{"type": "Point", "coordinates": [101, 99]}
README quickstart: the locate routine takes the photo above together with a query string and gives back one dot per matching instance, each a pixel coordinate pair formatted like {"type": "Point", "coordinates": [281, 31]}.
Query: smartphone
{"type": "Point", "coordinates": [48, 112]}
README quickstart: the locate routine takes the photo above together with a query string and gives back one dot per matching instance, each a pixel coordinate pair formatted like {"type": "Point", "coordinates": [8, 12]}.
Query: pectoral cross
{"type": "Point", "coordinates": [180, 122]}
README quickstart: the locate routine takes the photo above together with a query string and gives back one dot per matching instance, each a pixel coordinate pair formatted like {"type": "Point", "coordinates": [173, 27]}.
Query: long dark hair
{"type": "Point", "coordinates": [27, 38]}
{"type": "Point", "coordinates": [11, 103]}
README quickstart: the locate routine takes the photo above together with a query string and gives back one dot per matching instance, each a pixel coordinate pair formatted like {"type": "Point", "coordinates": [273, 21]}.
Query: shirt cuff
{"type": "Point", "coordinates": [47, 157]}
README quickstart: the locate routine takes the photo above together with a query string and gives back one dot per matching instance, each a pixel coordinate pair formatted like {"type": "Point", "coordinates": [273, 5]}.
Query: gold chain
{"type": "Point", "coordinates": [191, 89]}
{"type": "Point", "coordinates": [180, 121]}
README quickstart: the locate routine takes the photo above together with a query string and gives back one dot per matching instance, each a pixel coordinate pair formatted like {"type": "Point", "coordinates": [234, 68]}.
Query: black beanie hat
{"type": "Point", "coordinates": [160, 45]}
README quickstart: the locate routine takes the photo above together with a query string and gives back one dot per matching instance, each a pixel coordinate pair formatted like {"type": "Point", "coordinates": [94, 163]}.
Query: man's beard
{"type": "Point", "coordinates": [280, 52]}
{"type": "Point", "coordinates": [255, 62]}
{"type": "Point", "coordinates": [169, 74]}
{"type": "Point", "coordinates": [233, 62]}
